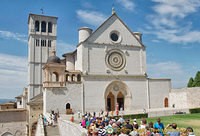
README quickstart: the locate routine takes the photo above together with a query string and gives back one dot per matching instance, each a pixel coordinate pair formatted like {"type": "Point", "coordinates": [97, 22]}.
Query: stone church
{"type": "Point", "coordinates": [107, 68]}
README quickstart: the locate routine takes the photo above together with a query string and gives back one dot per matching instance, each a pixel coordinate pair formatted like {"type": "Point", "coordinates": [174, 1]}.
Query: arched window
{"type": "Point", "coordinates": [55, 77]}
{"type": "Point", "coordinates": [49, 27]}
{"type": "Point", "coordinates": [43, 26]}
{"type": "Point", "coordinates": [67, 77]}
{"type": "Point", "coordinates": [79, 78]}
{"type": "Point", "coordinates": [166, 102]}
{"type": "Point", "coordinates": [67, 106]}
{"type": "Point", "coordinates": [37, 26]}
{"type": "Point", "coordinates": [73, 78]}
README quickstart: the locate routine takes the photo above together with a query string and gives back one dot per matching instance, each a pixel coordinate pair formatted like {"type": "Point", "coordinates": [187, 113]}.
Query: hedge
{"type": "Point", "coordinates": [135, 116]}
{"type": "Point", "coordinates": [196, 110]}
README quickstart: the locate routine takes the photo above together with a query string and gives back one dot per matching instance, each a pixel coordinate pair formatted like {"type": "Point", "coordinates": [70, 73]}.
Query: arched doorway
{"type": "Point", "coordinates": [166, 102]}
{"type": "Point", "coordinates": [120, 101]}
{"type": "Point", "coordinates": [117, 91]}
{"type": "Point", "coordinates": [67, 106]}
{"type": "Point", "coordinates": [110, 102]}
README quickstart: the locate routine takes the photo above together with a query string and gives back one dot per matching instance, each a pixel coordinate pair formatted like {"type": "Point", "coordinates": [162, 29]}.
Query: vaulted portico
{"type": "Point", "coordinates": [117, 92]}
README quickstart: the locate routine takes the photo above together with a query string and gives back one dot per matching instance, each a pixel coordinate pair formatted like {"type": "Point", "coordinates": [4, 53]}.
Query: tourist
{"type": "Point", "coordinates": [174, 131]}
{"type": "Point", "coordinates": [121, 119]}
{"type": "Point", "coordinates": [83, 123]}
{"type": "Point", "coordinates": [150, 129]}
{"type": "Point", "coordinates": [134, 121]}
{"type": "Point", "coordinates": [143, 124]}
{"type": "Point", "coordinates": [128, 126]}
{"type": "Point", "coordinates": [159, 126]}
{"type": "Point", "coordinates": [101, 131]}
{"type": "Point", "coordinates": [135, 132]}
{"type": "Point", "coordinates": [190, 131]}
{"type": "Point", "coordinates": [54, 118]}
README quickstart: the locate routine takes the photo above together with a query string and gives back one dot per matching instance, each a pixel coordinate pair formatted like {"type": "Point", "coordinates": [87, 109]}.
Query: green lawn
{"type": "Point", "coordinates": [182, 121]}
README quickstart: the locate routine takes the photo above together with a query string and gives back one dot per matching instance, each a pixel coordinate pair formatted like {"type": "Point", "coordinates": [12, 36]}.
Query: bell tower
{"type": "Point", "coordinates": [42, 42]}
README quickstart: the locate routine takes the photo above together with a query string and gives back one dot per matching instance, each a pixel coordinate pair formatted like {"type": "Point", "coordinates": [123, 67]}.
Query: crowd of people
{"type": "Point", "coordinates": [118, 126]}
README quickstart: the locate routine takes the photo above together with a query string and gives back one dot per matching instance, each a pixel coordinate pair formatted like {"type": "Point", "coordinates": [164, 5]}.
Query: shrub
{"type": "Point", "coordinates": [196, 110]}
{"type": "Point", "coordinates": [135, 116]}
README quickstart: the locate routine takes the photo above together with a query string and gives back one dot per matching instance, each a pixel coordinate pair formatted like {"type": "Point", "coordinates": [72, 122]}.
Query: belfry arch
{"type": "Point", "coordinates": [121, 94]}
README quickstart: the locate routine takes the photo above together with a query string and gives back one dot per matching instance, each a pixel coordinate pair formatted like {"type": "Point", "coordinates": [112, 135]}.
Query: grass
{"type": "Point", "coordinates": [182, 121]}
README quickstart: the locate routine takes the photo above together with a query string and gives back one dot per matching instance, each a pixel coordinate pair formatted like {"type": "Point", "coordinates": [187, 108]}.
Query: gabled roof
{"type": "Point", "coordinates": [38, 99]}
{"type": "Point", "coordinates": [114, 14]}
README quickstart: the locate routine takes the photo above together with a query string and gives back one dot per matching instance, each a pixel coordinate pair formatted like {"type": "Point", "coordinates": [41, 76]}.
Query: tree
{"type": "Point", "coordinates": [196, 82]}
{"type": "Point", "coordinates": [190, 83]}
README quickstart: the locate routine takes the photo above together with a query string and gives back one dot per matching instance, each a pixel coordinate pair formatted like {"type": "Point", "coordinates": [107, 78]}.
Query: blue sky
{"type": "Point", "coordinates": [170, 28]}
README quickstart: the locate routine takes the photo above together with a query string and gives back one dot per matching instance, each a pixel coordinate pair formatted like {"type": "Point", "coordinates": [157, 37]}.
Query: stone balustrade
{"type": "Point", "coordinates": [40, 128]}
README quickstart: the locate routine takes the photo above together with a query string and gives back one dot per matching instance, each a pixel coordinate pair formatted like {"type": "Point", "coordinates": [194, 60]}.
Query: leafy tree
{"type": "Point", "coordinates": [196, 82]}
{"type": "Point", "coordinates": [190, 83]}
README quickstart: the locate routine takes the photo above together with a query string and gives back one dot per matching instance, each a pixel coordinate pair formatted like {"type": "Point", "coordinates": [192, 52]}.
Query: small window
{"type": "Point", "coordinates": [44, 43]}
{"type": "Point", "coordinates": [37, 42]}
{"type": "Point", "coordinates": [67, 77]}
{"type": "Point", "coordinates": [78, 77]}
{"type": "Point", "coordinates": [55, 77]}
{"type": "Point", "coordinates": [20, 102]}
{"type": "Point", "coordinates": [67, 106]}
{"type": "Point", "coordinates": [49, 27]}
{"type": "Point", "coordinates": [73, 78]}
{"type": "Point", "coordinates": [49, 43]}
{"type": "Point", "coordinates": [37, 26]}
{"type": "Point", "coordinates": [43, 26]}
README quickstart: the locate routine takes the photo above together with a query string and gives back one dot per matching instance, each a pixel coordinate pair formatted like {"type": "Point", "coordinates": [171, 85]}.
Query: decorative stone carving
{"type": "Point", "coordinates": [115, 59]}
{"type": "Point", "coordinates": [116, 88]}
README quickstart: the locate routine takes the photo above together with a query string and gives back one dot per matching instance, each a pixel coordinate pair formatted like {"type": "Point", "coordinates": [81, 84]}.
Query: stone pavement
{"type": "Point", "coordinates": [52, 130]}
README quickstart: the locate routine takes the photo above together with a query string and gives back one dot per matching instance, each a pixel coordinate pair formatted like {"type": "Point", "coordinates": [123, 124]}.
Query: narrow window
{"type": "Point", "coordinates": [44, 43]}
{"type": "Point", "coordinates": [78, 77]}
{"type": "Point", "coordinates": [49, 27]}
{"type": "Point", "coordinates": [55, 77]}
{"type": "Point", "coordinates": [49, 43]}
{"type": "Point", "coordinates": [37, 26]}
{"type": "Point", "coordinates": [73, 78]}
{"type": "Point", "coordinates": [67, 77]}
{"type": "Point", "coordinates": [43, 26]}
{"type": "Point", "coordinates": [37, 42]}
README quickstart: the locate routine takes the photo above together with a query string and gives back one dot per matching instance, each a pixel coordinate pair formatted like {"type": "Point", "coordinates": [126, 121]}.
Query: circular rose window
{"type": "Point", "coordinates": [115, 59]}
{"type": "Point", "coordinates": [115, 36]}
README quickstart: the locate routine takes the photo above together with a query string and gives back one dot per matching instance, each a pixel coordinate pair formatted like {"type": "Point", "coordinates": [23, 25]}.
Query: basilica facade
{"type": "Point", "coordinates": [108, 68]}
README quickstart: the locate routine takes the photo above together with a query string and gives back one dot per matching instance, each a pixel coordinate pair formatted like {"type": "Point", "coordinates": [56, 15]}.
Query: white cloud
{"type": "Point", "coordinates": [15, 36]}
{"type": "Point", "coordinates": [63, 47]}
{"type": "Point", "coordinates": [169, 22]}
{"type": "Point", "coordinates": [176, 8]}
{"type": "Point", "coordinates": [163, 68]}
{"type": "Point", "coordinates": [171, 70]}
{"type": "Point", "coordinates": [13, 75]}
{"type": "Point", "coordinates": [91, 17]}
{"type": "Point", "coordinates": [127, 4]}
